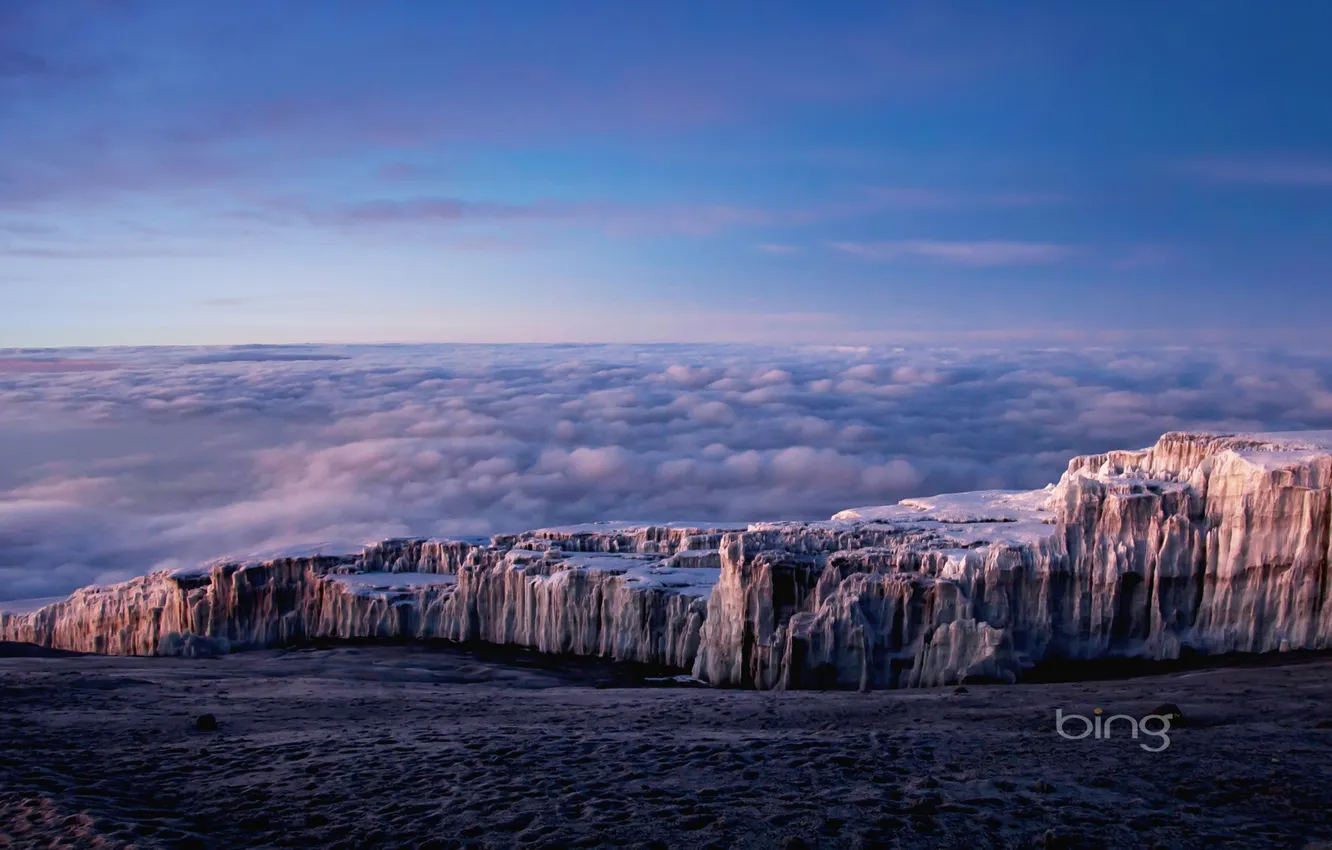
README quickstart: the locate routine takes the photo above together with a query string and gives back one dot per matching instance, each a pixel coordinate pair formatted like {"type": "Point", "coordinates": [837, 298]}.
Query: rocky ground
{"type": "Point", "coordinates": [397, 746]}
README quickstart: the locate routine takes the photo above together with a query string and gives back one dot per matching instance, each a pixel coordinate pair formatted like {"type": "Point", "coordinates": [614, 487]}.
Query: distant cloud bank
{"type": "Point", "coordinates": [117, 461]}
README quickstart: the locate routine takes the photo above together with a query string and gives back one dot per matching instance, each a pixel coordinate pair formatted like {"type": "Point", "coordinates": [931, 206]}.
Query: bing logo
{"type": "Point", "coordinates": [1101, 728]}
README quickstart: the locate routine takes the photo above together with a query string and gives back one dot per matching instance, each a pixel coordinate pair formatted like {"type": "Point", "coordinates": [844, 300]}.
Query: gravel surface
{"type": "Point", "coordinates": [396, 746]}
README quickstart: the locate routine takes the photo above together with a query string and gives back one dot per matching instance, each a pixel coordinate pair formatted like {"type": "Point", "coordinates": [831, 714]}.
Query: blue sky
{"type": "Point", "coordinates": [632, 172]}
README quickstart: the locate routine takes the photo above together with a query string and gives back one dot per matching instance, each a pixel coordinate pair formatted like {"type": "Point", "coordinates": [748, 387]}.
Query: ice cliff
{"type": "Point", "coordinates": [1205, 543]}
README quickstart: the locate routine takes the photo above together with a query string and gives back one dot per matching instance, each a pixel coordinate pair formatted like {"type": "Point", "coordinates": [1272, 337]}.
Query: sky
{"type": "Point", "coordinates": [247, 172]}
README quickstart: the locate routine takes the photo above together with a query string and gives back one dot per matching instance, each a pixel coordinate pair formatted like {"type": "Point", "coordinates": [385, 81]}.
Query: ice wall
{"type": "Point", "coordinates": [631, 607]}
{"type": "Point", "coordinates": [1209, 542]}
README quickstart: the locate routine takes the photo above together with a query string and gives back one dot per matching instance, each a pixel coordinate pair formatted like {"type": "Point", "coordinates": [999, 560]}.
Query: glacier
{"type": "Point", "coordinates": [1200, 544]}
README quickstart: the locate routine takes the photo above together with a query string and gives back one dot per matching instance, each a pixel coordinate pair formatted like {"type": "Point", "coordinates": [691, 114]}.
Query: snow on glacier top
{"type": "Point", "coordinates": [626, 526]}
{"type": "Point", "coordinates": [978, 516]}
{"type": "Point", "coordinates": [976, 506]}
{"type": "Point", "coordinates": [326, 548]}
{"type": "Point", "coordinates": [644, 571]}
{"type": "Point", "coordinates": [1320, 441]}
{"type": "Point", "coordinates": [1282, 449]}
{"type": "Point", "coordinates": [368, 584]}
{"type": "Point", "coordinates": [1270, 461]}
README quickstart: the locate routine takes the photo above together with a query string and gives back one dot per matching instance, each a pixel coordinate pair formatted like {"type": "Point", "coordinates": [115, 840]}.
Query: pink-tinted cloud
{"type": "Point", "coordinates": [433, 209]}
{"type": "Point", "coordinates": [613, 217]}
{"type": "Point", "coordinates": [986, 253]}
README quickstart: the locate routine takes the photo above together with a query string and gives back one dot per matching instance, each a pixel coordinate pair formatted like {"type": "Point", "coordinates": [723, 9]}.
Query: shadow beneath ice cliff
{"type": "Point", "coordinates": [12, 649]}
{"type": "Point", "coordinates": [567, 669]}
{"type": "Point", "coordinates": [1103, 669]}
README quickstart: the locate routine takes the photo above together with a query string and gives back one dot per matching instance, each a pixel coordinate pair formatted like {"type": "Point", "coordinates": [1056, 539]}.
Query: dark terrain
{"type": "Point", "coordinates": [411, 746]}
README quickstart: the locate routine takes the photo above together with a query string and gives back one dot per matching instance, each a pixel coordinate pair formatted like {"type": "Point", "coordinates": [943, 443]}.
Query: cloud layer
{"type": "Point", "coordinates": [116, 461]}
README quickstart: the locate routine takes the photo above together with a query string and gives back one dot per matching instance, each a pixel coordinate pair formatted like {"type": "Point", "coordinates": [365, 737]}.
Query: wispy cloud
{"type": "Point", "coordinates": [1308, 173]}
{"type": "Point", "coordinates": [617, 218]}
{"type": "Point", "coordinates": [432, 209]}
{"type": "Point", "coordinates": [417, 81]}
{"type": "Point", "coordinates": [909, 197]}
{"type": "Point", "coordinates": [702, 218]}
{"type": "Point", "coordinates": [986, 253]}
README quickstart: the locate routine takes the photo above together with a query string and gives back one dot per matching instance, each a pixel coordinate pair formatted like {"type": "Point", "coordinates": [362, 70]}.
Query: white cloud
{"type": "Point", "coordinates": [868, 372]}
{"type": "Point", "coordinates": [713, 413]}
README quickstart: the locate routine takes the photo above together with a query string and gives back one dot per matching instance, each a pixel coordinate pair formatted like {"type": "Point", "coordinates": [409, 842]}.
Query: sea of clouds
{"type": "Point", "coordinates": [114, 462]}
